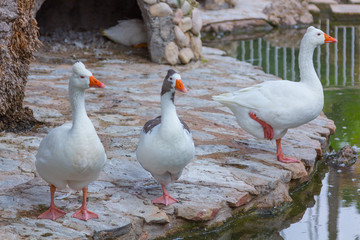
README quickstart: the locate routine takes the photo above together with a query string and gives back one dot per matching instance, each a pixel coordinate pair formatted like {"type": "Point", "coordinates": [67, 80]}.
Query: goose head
{"type": "Point", "coordinates": [317, 37]}
{"type": "Point", "coordinates": [82, 78]}
{"type": "Point", "coordinates": [172, 82]}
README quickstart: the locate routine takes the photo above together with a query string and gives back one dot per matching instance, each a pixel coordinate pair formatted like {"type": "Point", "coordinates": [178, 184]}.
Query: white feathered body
{"type": "Point", "coordinates": [73, 158]}
{"type": "Point", "coordinates": [282, 104]}
{"type": "Point", "coordinates": [127, 32]}
{"type": "Point", "coordinates": [165, 151]}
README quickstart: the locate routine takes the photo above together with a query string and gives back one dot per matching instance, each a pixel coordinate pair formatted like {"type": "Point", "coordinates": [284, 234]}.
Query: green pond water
{"type": "Point", "coordinates": [328, 206]}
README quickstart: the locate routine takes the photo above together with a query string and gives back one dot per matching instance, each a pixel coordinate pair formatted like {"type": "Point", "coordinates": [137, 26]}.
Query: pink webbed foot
{"type": "Point", "coordinates": [268, 130]}
{"type": "Point", "coordinates": [84, 214]}
{"type": "Point", "coordinates": [166, 199]}
{"type": "Point", "coordinates": [287, 160]}
{"type": "Point", "coordinates": [52, 213]}
{"type": "Point", "coordinates": [280, 154]}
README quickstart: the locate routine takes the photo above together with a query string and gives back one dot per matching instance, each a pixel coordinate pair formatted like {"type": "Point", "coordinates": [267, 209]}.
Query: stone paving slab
{"type": "Point", "coordinates": [324, 4]}
{"type": "Point", "coordinates": [244, 10]}
{"type": "Point", "coordinates": [232, 170]}
{"type": "Point", "coordinates": [345, 12]}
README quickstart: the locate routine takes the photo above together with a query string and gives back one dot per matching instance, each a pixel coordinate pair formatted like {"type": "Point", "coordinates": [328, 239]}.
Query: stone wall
{"type": "Point", "coordinates": [173, 29]}
{"type": "Point", "coordinates": [289, 13]}
{"type": "Point", "coordinates": [173, 26]}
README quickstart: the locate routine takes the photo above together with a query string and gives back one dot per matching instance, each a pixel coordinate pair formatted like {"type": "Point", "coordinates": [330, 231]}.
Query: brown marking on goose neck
{"type": "Point", "coordinates": [167, 84]}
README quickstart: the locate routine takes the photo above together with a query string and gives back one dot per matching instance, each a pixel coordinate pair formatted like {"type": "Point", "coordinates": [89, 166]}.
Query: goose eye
{"type": "Point", "coordinates": [319, 34]}
{"type": "Point", "coordinates": [82, 76]}
{"type": "Point", "coordinates": [171, 78]}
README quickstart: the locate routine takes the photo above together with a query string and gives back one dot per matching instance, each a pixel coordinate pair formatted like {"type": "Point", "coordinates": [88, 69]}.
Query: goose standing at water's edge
{"type": "Point", "coordinates": [267, 110]}
{"type": "Point", "coordinates": [72, 154]}
{"type": "Point", "coordinates": [166, 145]}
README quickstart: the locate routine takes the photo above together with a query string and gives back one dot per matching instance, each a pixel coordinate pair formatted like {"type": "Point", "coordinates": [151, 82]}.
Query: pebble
{"type": "Point", "coordinates": [171, 53]}
{"type": "Point", "coordinates": [185, 55]}
{"type": "Point", "coordinates": [160, 10]}
{"type": "Point", "coordinates": [196, 21]}
{"type": "Point", "coordinates": [185, 24]}
{"type": "Point", "coordinates": [186, 7]}
{"type": "Point", "coordinates": [180, 37]}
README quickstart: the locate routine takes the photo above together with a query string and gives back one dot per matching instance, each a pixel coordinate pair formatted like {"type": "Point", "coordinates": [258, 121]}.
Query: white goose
{"type": "Point", "coordinates": [130, 32]}
{"type": "Point", "coordinates": [72, 154]}
{"type": "Point", "coordinates": [166, 145]}
{"type": "Point", "coordinates": [269, 109]}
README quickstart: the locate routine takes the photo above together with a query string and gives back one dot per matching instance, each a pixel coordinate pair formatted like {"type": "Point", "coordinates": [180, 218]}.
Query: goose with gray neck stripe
{"type": "Point", "coordinates": [269, 109]}
{"type": "Point", "coordinates": [166, 145]}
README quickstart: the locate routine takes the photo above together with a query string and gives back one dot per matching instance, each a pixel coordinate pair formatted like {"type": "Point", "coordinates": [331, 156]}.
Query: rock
{"type": "Point", "coordinates": [212, 51]}
{"type": "Point", "coordinates": [178, 14]}
{"type": "Point", "coordinates": [150, 2]}
{"type": "Point", "coordinates": [172, 53]}
{"type": "Point", "coordinates": [185, 24]}
{"type": "Point", "coordinates": [345, 157]}
{"type": "Point", "coordinates": [185, 55]}
{"type": "Point", "coordinates": [314, 9]}
{"type": "Point", "coordinates": [157, 217]}
{"type": "Point", "coordinates": [187, 35]}
{"type": "Point", "coordinates": [196, 211]}
{"type": "Point", "coordinates": [196, 46]}
{"type": "Point", "coordinates": [166, 31]}
{"type": "Point", "coordinates": [173, 3]}
{"type": "Point", "coordinates": [37, 6]}
{"type": "Point", "coordinates": [158, 37]}
{"type": "Point", "coordinates": [160, 10]}
{"type": "Point", "coordinates": [114, 232]}
{"type": "Point", "coordinates": [219, 4]}
{"type": "Point", "coordinates": [186, 7]}
{"type": "Point", "coordinates": [180, 37]}
{"type": "Point", "coordinates": [288, 13]}
{"type": "Point", "coordinates": [196, 21]}
{"type": "Point", "coordinates": [237, 199]}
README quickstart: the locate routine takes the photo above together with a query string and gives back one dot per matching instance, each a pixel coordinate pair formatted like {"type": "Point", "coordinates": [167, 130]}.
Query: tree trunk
{"type": "Point", "coordinates": [18, 41]}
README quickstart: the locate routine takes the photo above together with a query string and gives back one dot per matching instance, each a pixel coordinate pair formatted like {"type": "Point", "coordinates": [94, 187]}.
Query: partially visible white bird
{"type": "Point", "coordinates": [269, 109]}
{"type": "Point", "coordinates": [166, 145]}
{"type": "Point", "coordinates": [72, 154]}
{"type": "Point", "coordinates": [127, 32]}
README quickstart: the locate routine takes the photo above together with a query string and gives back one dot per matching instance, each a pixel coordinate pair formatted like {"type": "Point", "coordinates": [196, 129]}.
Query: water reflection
{"type": "Point", "coordinates": [277, 54]}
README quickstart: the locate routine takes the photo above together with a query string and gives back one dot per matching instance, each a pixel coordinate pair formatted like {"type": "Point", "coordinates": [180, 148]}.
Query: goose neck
{"type": "Point", "coordinates": [306, 65]}
{"type": "Point", "coordinates": [168, 110]}
{"type": "Point", "coordinates": [79, 116]}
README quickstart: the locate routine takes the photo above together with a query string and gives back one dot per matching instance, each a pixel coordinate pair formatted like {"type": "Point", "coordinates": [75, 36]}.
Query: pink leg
{"type": "Point", "coordinates": [268, 130]}
{"type": "Point", "coordinates": [83, 213]}
{"type": "Point", "coordinates": [280, 154]}
{"type": "Point", "coordinates": [53, 212]}
{"type": "Point", "coordinates": [165, 199]}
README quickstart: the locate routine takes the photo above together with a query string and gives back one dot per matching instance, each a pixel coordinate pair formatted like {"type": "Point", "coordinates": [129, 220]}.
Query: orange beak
{"type": "Point", "coordinates": [95, 83]}
{"type": "Point", "coordinates": [180, 86]}
{"type": "Point", "coordinates": [329, 39]}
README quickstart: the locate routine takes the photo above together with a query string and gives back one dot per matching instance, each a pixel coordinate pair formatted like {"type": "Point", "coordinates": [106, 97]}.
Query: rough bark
{"type": "Point", "coordinates": [18, 41]}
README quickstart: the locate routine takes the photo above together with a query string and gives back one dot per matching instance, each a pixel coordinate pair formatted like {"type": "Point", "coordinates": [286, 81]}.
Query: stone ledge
{"type": "Point", "coordinates": [232, 171]}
